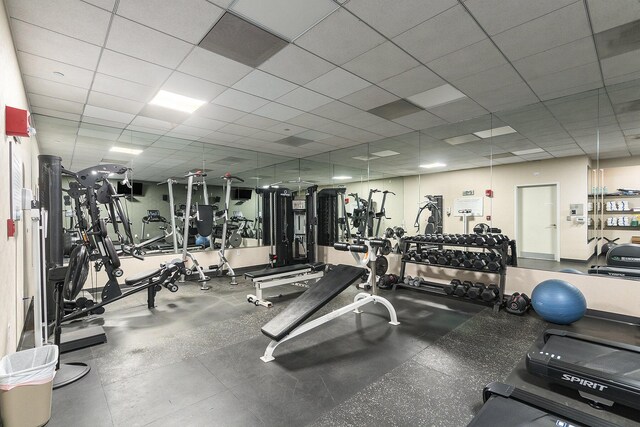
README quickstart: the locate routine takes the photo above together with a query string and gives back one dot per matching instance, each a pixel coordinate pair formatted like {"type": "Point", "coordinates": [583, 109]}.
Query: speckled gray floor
{"type": "Point", "coordinates": [194, 360]}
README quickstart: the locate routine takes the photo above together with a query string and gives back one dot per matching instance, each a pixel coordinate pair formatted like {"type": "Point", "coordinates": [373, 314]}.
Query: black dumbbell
{"type": "Point", "coordinates": [456, 259]}
{"type": "Point", "coordinates": [470, 239]}
{"type": "Point", "coordinates": [450, 288]}
{"type": "Point", "coordinates": [462, 239]}
{"type": "Point", "coordinates": [447, 238]}
{"type": "Point", "coordinates": [432, 257]}
{"type": "Point", "coordinates": [407, 256]}
{"type": "Point", "coordinates": [490, 240]}
{"type": "Point", "coordinates": [480, 240]}
{"type": "Point", "coordinates": [494, 263]}
{"type": "Point", "coordinates": [444, 258]}
{"type": "Point", "coordinates": [475, 290]}
{"type": "Point", "coordinates": [470, 258]}
{"type": "Point", "coordinates": [490, 293]}
{"type": "Point", "coordinates": [480, 262]}
{"type": "Point", "coordinates": [461, 289]}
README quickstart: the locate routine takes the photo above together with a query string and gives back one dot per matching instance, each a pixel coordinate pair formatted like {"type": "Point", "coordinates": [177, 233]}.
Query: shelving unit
{"type": "Point", "coordinates": [436, 288]}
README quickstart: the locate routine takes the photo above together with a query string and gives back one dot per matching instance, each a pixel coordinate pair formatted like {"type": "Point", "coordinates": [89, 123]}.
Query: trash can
{"type": "Point", "coordinates": [26, 382]}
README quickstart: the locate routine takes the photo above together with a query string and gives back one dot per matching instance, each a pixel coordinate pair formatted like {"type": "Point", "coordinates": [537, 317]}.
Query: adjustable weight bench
{"type": "Point", "coordinates": [290, 322]}
{"type": "Point", "coordinates": [298, 274]}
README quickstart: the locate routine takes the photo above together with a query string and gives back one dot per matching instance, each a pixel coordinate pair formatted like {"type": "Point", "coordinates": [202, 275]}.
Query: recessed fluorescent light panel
{"type": "Point", "coordinates": [462, 139]}
{"type": "Point", "coordinates": [385, 153]}
{"type": "Point", "coordinates": [436, 96]}
{"type": "Point", "coordinates": [288, 18]}
{"type": "Point", "coordinates": [530, 151]}
{"type": "Point", "coordinates": [365, 158]}
{"type": "Point", "coordinates": [433, 165]}
{"type": "Point", "coordinates": [504, 130]}
{"type": "Point", "coordinates": [176, 102]}
{"type": "Point", "coordinates": [133, 151]}
{"type": "Point", "coordinates": [342, 177]}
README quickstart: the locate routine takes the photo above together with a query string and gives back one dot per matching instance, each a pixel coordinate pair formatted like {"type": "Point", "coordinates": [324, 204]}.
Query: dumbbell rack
{"type": "Point", "coordinates": [438, 288]}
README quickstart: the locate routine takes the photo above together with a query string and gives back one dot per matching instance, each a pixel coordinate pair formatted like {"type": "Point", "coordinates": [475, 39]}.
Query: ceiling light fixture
{"type": "Point", "coordinates": [133, 151]}
{"type": "Point", "coordinates": [433, 165]}
{"type": "Point", "coordinates": [529, 151]}
{"type": "Point", "coordinates": [176, 102]}
{"type": "Point", "coordinates": [342, 177]}
{"type": "Point", "coordinates": [462, 139]}
{"type": "Point", "coordinates": [504, 130]}
{"type": "Point", "coordinates": [365, 158]}
{"type": "Point", "coordinates": [437, 96]}
{"type": "Point", "coordinates": [386, 153]}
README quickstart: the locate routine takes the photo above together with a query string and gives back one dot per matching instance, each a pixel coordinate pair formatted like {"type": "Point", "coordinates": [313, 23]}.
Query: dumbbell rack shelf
{"type": "Point", "coordinates": [438, 288]}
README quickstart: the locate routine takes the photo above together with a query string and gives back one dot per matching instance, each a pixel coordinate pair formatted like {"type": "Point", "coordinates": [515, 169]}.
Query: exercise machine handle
{"type": "Point", "coordinates": [346, 247]}
{"type": "Point", "coordinates": [229, 176]}
{"type": "Point", "coordinates": [196, 173]}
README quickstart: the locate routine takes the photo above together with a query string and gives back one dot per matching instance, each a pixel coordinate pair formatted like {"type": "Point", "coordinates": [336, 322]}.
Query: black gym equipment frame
{"type": "Point", "coordinates": [602, 371]}
{"type": "Point", "coordinates": [506, 405]}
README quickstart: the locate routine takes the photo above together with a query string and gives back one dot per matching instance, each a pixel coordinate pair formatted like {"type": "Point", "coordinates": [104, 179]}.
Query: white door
{"type": "Point", "coordinates": [537, 221]}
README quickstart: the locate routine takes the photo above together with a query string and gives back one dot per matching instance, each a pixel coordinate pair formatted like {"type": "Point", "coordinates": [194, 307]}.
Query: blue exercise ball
{"type": "Point", "coordinates": [202, 241]}
{"type": "Point", "coordinates": [571, 270]}
{"type": "Point", "coordinates": [559, 302]}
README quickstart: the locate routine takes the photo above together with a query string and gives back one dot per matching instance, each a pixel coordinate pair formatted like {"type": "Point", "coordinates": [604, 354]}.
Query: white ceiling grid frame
{"type": "Point", "coordinates": [141, 42]}
{"type": "Point", "coordinates": [285, 18]}
{"type": "Point", "coordinates": [213, 67]}
{"type": "Point", "coordinates": [237, 100]}
{"type": "Point", "coordinates": [264, 85]}
{"type": "Point", "coordinates": [104, 100]}
{"type": "Point", "coordinates": [57, 90]}
{"type": "Point", "coordinates": [339, 38]}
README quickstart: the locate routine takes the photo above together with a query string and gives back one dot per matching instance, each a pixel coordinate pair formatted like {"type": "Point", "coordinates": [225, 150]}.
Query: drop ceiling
{"type": "Point", "coordinates": [329, 76]}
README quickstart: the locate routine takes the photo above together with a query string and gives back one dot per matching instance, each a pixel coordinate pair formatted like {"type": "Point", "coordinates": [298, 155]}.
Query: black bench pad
{"type": "Point", "coordinates": [336, 280]}
{"type": "Point", "coordinates": [278, 270]}
{"type": "Point", "coordinates": [132, 280]}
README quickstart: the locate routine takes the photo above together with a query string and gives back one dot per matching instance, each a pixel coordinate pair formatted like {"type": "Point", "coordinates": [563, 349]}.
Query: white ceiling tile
{"type": "Point", "coordinates": [337, 83]}
{"type": "Point", "coordinates": [136, 40]}
{"type": "Point", "coordinates": [72, 18]}
{"type": "Point", "coordinates": [605, 14]}
{"type": "Point", "coordinates": [362, 120]}
{"type": "Point", "coordinates": [194, 87]}
{"type": "Point", "coordinates": [232, 98]}
{"type": "Point", "coordinates": [103, 100]}
{"type": "Point", "coordinates": [55, 89]}
{"type": "Point", "coordinates": [55, 104]}
{"type": "Point", "coordinates": [162, 113]}
{"type": "Point", "coordinates": [411, 82]}
{"type": "Point", "coordinates": [146, 130]}
{"type": "Point", "coordinates": [107, 114]}
{"type": "Point", "coordinates": [556, 82]}
{"type": "Point", "coordinates": [314, 135]}
{"type": "Point", "coordinates": [304, 99]}
{"type": "Point", "coordinates": [103, 122]}
{"type": "Point", "coordinates": [288, 18]}
{"type": "Point", "coordinates": [442, 34]}
{"type": "Point", "coordinates": [336, 110]}
{"type": "Point", "coordinates": [388, 129]}
{"type": "Point", "coordinates": [213, 67]}
{"type": "Point", "coordinates": [151, 123]}
{"type": "Point", "coordinates": [496, 16]}
{"type": "Point", "coordinates": [220, 138]}
{"type": "Point", "coordinates": [626, 64]}
{"type": "Point", "coordinates": [484, 81]}
{"type": "Point", "coordinates": [381, 62]}
{"type": "Point", "coordinates": [456, 111]}
{"type": "Point", "coordinates": [339, 38]}
{"type": "Point", "coordinates": [264, 85]}
{"type": "Point", "coordinates": [190, 131]}
{"type": "Point", "coordinates": [235, 129]}
{"type": "Point", "coordinates": [54, 113]}
{"type": "Point", "coordinates": [268, 136]}
{"type": "Point", "coordinates": [312, 121]}
{"type": "Point", "coordinates": [297, 65]}
{"type": "Point", "coordinates": [277, 111]}
{"type": "Point", "coordinates": [125, 67]}
{"type": "Point", "coordinates": [420, 120]}
{"type": "Point", "coordinates": [123, 88]}
{"type": "Point", "coordinates": [103, 4]}
{"type": "Point", "coordinates": [204, 123]}
{"type": "Point", "coordinates": [586, 87]}
{"type": "Point", "coordinates": [38, 41]}
{"type": "Point", "coordinates": [394, 17]}
{"type": "Point", "coordinates": [472, 59]}
{"type": "Point", "coordinates": [257, 122]}
{"type": "Point", "coordinates": [37, 66]}
{"type": "Point", "coordinates": [218, 112]}
{"type": "Point", "coordinates": [188, 20]}
{"type": "Point", "coordinates": [369, 97]}
{"type": "Point", "coordinates": [560, 58]}
{"type": "Point", "coordinates": [554, 29]}
{"type": "Point", "coordinates": [506, 98]}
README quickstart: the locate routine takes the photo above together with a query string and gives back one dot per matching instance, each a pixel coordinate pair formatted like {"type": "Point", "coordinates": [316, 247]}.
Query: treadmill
{"type": "Point", "coordinates": [506, 405]}
{"type": "Point", "coordinates": [604, 372]}
{"type": "Point", "coordinates": [622, 261]}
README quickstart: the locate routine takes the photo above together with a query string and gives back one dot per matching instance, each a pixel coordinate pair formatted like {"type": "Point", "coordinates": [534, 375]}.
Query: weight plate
{"type": "Point", "coordinates": [382, 265]}
{"type": "Point", "coordinates": [235, 240]}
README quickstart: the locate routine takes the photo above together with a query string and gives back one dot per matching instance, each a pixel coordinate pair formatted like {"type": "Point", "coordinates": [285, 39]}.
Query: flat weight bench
{"type": "Point", "coordinates": [290, 274]}
{"type": "Point", "coordinates": [290, 322]}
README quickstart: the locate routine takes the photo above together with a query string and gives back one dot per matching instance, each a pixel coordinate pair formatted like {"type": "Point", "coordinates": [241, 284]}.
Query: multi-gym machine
{"type": "Point", "coordinates": [333, 224]}
{"type": "Point", "coordinates": [170, 183]}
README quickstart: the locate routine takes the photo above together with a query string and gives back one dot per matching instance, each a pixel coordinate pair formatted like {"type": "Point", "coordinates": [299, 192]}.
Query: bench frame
{"type": "Point", "coordinates": [296, 277]}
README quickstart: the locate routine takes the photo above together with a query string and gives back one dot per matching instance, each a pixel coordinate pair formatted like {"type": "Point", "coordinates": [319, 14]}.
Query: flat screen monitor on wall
{"type": "Point", "coordinates": [241, 194]}
{"type": "Point", "coordinates": [135, 190]}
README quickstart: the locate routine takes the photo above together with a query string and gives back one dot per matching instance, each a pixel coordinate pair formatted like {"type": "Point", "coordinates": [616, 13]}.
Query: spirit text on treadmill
{"type": "Point", "coordinates": [583, 382]}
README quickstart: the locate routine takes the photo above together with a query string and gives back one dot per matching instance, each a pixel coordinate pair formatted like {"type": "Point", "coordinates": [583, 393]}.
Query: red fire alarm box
{"type": "Point", "coordinates": [488, 193]}
{"type": "Point", "coordinates": [16, 122]}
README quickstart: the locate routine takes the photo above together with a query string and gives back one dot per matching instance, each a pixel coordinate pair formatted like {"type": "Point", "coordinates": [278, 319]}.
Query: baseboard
{"type": "Point", "coordinates": [623, 318]}
{"type": "Point", "coordinates": [574, 260]}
